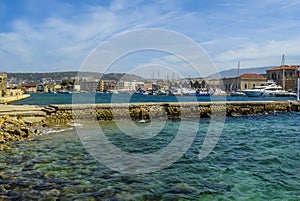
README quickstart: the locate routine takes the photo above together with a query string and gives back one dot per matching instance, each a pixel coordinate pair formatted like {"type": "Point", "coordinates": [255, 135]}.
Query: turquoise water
{"type": "Point", "coordinates": [256, 158]}
{"type": "Point", "coordinates": [46, 99]}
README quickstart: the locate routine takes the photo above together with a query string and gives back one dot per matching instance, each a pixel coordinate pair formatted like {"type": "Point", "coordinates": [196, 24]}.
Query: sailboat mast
{"type": "Point", "coordinates": [238, 75]}
{"type": "Point", "coordinates": [283, 72]}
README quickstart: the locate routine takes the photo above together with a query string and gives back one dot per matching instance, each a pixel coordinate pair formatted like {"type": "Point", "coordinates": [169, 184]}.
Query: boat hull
{"type": "Point", "coordinates": [286, 94]}
{"type": "Point", "coordinates": [237, 93]}
{"type": "Point", "coordinates": [253, 93]}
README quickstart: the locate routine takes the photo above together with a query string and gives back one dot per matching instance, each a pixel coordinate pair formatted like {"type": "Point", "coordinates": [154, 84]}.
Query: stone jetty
{"type": "Point", "coordinates": [59, 114]}
{"type": "Point", "coordinates": [16, 122]}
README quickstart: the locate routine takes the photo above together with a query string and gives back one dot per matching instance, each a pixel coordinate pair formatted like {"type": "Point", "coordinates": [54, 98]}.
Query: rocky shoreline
{"type": "Point", "coordinates": [19, 122]}
{"type": "Point", "coordinates": [13, 128]}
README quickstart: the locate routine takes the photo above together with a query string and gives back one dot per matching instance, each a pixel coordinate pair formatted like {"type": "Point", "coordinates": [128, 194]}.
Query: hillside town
{"type": "Point", "coordinates": [283, 75]}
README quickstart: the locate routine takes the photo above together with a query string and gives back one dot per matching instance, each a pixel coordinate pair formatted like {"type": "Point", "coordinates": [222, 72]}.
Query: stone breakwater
{"type": "Point", "coordinates": [19, 122]}
{"type": "Point", "coordinates": [61, 114]}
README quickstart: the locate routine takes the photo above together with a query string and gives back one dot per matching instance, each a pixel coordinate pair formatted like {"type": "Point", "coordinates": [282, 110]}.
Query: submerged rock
{"type": "Point", "coordinates": [33, 195]}
{"type": "Point", "coordinates": [52, 193]}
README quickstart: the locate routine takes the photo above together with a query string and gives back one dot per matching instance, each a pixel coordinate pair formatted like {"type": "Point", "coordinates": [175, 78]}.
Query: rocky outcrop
{"type": "Point", "coordinates": [14, 128]}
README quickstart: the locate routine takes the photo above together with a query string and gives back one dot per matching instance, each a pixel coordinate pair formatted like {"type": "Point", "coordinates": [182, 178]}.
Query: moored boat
{"type": "Point", "coordinates": [269, 88]}
{"type": "Point", "coordinates": [237, 93]}
{"type": "Point", "coordinates": [204, 92]}
{"type": "Point", "coordinates": [286, 94]}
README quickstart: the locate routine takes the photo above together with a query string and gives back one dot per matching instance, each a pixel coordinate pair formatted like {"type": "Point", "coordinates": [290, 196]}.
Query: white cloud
{"type": "Point", "coordinates": [255, 32]}
{"type": "Point", "coordinates": [261, 54]}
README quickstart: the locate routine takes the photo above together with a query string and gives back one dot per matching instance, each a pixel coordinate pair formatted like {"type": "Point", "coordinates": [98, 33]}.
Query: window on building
{"type": "Point", "coordinates": [246, 86]}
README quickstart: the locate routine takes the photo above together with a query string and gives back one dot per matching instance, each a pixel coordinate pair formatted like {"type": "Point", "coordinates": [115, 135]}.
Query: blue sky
{"type": "Point", "coordinates": [58, 35]}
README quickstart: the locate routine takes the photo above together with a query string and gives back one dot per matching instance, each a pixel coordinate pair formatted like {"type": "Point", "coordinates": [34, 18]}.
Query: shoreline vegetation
{"type": "Point", "coordinates": [20, 122]}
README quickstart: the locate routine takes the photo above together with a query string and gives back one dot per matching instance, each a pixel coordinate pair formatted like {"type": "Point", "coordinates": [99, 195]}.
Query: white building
{"type": "Point", "coordinates": [129, 86]}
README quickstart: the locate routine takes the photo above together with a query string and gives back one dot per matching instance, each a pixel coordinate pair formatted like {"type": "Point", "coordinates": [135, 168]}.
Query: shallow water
{"type": "Point", "coordinates": [256, 158]}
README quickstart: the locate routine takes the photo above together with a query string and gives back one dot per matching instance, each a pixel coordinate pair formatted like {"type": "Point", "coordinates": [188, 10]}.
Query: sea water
{"type": "Point", "coordinates": [49, 98]}
{"type": "Point", "coordinates": [255, 158]}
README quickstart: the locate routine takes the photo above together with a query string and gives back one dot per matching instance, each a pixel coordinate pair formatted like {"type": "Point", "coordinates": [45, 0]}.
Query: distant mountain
{"type": "Point", "coordinates": [57, 77]}
{"type": "Point", "coordinates": [233, 72]}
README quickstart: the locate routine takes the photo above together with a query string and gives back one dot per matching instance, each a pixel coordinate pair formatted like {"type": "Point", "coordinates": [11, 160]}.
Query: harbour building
{"type": "Point", "coordinates": [242, 82]}
{"type": "Point", "coordinates": [284, 75]}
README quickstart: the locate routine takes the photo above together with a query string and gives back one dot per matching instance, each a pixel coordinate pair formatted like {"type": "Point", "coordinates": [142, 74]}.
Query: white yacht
{"type": "Point", "coordinates": [192, 92]}
{"type": "Point", "coordinates": [237, 93]}
{"type": "Point", "coordinates": [268, 88]}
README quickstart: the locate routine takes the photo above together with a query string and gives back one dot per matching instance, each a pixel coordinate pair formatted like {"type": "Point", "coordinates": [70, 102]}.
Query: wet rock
{"type": "Point", "coordinates": [52, 193]}
{"type": "Point", "coordinates": [4, 197]}
{"type": "Point", "coordinates": [4, 147]}
{"type": "Point", "coordinates": [127, 180]}
{"type": "Point", "coordinates": [105, 192]}
{"type": "Point", "coordinates": [3, 176]}
{"type": "Point", "coordinates": [33, 195]}
{"type": "Point", "coordinates": [3, 190]}
{"type": "Point", "coordinates": [180, 189]}
{"type": "Point", "coordinates": [14, 195]}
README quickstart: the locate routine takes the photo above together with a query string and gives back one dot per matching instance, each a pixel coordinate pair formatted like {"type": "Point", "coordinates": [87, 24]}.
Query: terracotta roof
{"type": "Point", "coordinates": [251, 75]}
{"type": "Point", "coordinates": [28, 85]}
{"type": "Point", "coordinates": [287, 67]}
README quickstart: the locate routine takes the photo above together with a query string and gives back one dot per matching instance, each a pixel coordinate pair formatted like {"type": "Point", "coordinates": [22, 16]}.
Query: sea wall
{"type": "Point", "coordinates": [137, 111]}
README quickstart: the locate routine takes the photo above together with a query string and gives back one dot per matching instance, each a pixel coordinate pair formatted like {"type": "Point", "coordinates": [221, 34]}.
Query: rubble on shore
{"type": "Point", "coordinates": [14, 129]}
